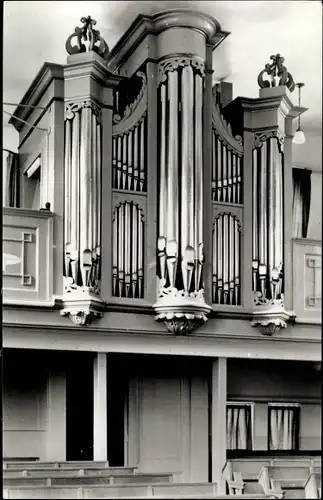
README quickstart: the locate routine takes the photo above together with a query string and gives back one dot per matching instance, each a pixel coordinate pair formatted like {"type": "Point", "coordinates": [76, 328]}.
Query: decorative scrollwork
{"type": "Point", "coordinates": [276, 69]}
{"type": "Point", "coordinates": [174, 62]}
{"type": "Point", "coordinates": [182, 326]}
{"type": "Point", "coordinates": [87, 34]}
{"type": "Point", "coordinates": [70, 286]}
{"type": "Point", "coordinates": [223, 128]}
{"type": "Point", "coordinates": [259, 299]}
{"type": "Point", "coordinates": [260, 138]}
{"type": "Point", "coordinates": [271, 326]}
{"type": "Point", "coordinates": [173, 292]}
{"type": "Point", "coordinates": [130, 108]}
{"type": "Point", "coordinates": [73, 107]}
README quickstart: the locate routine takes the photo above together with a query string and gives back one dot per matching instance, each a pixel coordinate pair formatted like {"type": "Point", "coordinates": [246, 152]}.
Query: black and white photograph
{"type": "Point", "coordinates": [161, 249]}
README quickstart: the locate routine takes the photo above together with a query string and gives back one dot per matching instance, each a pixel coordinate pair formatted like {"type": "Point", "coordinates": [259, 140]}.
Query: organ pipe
{"type": "Point", "coordinates": [82, 205]}
{"type": "Point", "coordinates": [226, 260]}
{"type": "Point", "coordinates": [129, 158]}
{"type": "Point", "coordinates": [128, 241]}
{"type": "Point", "coordinates": [226, 172]}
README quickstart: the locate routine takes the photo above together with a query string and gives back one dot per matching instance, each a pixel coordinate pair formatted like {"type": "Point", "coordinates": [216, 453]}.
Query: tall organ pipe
{"type": "Point", "coordinates": [181, 177]}
{"type": "Point", "coordinates": [82, 210]}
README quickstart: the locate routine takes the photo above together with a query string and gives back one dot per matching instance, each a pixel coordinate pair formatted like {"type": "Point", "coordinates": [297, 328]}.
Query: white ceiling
{"type": "Point", "coordinates": [36, 31]}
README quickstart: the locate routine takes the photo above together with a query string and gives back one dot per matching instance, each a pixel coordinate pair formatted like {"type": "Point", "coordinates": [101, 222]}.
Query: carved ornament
{"type": "Point", "coordinates": [130, 108]}
{"type": "Point", "coordinates": [174, 62]}
{"type": "Point", "coordinates": [82, 306]}
{"type": "Point", "coordinates": [270, 327]}
{"type": "Point", "coordinates": [73, 107]}
{"type": "Point", "coordinates": [261, 137]}
{"type": "Point", "coordinates": [260, 299]}
{"type": "Point", "coordinates": [87, 34]}
{"type": "Point", "coordinates": [182, 326]}
{"type": "Point", "coordinates": [182, 312]}
{"type": "Point", "coordinates": [271, 318]}
{"type": "Point", "coordinates": [224, 130]}
{"type": "Point", "coordinates": [276, 70]}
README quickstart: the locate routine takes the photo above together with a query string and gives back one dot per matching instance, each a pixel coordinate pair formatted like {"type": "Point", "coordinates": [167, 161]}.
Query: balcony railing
{"type": "Point", "coordinates": [27, 257]}
{"type": "Point", "coordinates": [307, 279]}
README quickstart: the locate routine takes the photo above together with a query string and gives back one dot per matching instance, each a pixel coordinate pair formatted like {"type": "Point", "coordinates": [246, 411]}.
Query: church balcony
{"type": "Point", "coordinates": [28, 248]}
{"type": "Point", "coordinates": [27, 259]}
{"type": "Point", "coordinates": [307, 280]}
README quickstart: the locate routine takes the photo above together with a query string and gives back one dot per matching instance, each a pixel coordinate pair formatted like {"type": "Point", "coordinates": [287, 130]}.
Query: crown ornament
{"type": "Point", "coordinates": [86, 33]}
{"type": "Point", "coordinates": [276, 70]}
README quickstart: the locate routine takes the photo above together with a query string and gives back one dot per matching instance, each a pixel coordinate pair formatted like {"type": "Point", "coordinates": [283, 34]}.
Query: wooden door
{"type": "Point", "coordinates": [158, 430]}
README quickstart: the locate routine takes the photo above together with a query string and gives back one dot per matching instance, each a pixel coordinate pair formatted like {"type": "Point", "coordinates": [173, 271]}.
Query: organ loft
{"type": "Point", "coordinates": [169, 314]}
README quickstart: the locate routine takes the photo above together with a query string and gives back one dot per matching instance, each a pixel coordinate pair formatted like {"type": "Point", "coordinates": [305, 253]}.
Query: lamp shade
{"type": "Point", "coordinates": [299, 137]}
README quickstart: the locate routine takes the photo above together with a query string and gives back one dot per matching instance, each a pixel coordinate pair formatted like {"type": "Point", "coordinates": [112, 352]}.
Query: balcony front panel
{"type": "Point", "coordinates": [307, 262]}
{"type": "Point", "coordinates": [27, 256]}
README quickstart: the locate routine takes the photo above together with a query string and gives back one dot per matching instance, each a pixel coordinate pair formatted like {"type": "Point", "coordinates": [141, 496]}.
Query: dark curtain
{"type": "Point", "coordinates": [301, 201]}
{"type": "Point", "coordinates": [12, 184]}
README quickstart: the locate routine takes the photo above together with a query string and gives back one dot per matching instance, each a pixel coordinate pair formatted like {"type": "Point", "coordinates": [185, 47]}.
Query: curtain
{"type": "Point", "coordinates": [301, 201]}
{"type": "Point", "coordinates": [11, 198]}
{"type": "Point", "coordinates": [282, 432]}
{"type": "Point", "coordinates": [239, 428]}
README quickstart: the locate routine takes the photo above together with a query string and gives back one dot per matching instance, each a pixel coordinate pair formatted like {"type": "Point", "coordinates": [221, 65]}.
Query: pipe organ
{"type": "Point", "coordinates": [144, 138]}
{"type": "Point", "coordinates": [227, 176]}
{"type": "Point", "coordinates": [267, 223]}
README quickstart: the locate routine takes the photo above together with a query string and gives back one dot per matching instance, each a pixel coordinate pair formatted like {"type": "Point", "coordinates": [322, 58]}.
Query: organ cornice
{"type": "Point", "coordinates": [173, 18]}
{"type": "Point", "coordinates": [48, 73]}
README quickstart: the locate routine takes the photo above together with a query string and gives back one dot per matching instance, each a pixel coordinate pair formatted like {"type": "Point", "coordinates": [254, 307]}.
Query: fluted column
{"type": "Point", "coordinates": [180, 301]}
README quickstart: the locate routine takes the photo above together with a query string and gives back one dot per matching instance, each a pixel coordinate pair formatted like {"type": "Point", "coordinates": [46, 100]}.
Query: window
{"type": "Point", "coordinates": [239, 426]}
{"type": "Point", "coordinates": [283, 426]}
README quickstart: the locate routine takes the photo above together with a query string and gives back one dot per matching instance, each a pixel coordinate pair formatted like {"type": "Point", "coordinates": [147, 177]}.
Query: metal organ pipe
{"type": "Point", "coordinates": [82, 195]}
{"type": "Point", "coordinates": [180, 229]}
{"type": "Point", "coordinates": [172, 159]}
{"type": "Point", "coordinates": [267, 218]}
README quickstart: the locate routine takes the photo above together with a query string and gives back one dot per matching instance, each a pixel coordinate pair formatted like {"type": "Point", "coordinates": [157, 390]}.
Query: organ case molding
{"type": "Point", "coordinates": [227, 161]}
{"type": "Point", "coordinates": [129, 186]}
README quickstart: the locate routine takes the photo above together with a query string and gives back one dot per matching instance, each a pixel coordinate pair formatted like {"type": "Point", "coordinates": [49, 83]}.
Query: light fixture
{"type": "Point", "coordinates": [299, 137]}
